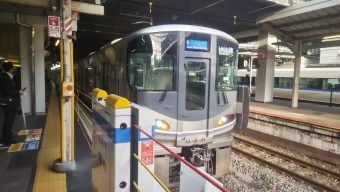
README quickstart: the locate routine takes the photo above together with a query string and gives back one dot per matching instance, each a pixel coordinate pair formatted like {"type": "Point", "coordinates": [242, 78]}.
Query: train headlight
{"type": "Point", "coordinates": [163, 125]}
{"type": "Point", "coordinates": [226, 119]}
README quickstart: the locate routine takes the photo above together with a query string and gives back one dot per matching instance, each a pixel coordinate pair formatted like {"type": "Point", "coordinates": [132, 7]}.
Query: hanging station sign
{"type": "Point", "coordinates": [54, 26]}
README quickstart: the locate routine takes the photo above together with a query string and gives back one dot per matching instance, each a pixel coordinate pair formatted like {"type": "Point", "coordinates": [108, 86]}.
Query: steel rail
{"type": "Point", "coordinates": [212, 181]}
{"type": "Point", "coordinates": [284, 171]}
{"type": "Point", "coordinates": [293, 159]}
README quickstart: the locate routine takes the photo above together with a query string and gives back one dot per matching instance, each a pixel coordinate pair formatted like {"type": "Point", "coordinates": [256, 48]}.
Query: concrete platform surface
{"type": "Point", "coordinates": [306, 112]}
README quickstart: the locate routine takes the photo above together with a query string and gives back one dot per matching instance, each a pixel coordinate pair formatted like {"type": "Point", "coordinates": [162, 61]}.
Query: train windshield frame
{"type": "Point", "coordinates": [152, 61]}
{"type": "Point", "coordinates": [226, 65]}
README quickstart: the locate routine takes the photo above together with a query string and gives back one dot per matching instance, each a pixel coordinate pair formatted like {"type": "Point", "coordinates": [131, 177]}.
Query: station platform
{"type": "Point", "coordinates": [311, 129]}
{"type": "Point", "coordinates": [31, 169]}
{"type": "Point", "coordinates": [311, 113]}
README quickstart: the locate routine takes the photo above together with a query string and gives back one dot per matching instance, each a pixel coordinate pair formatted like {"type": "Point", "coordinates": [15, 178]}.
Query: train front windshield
{"type": "Point", "coordinates": [152, 61]}
{"type": "Point", "coordinates": [226, 66]}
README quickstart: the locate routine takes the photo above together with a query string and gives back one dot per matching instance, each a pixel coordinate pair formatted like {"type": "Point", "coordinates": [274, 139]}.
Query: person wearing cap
{"type": "Point", "coordinates": [8, 89]}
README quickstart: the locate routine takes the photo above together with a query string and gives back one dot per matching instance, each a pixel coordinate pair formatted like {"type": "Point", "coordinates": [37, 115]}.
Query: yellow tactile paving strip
{"type": "Point", "coordinates": [46, 180]}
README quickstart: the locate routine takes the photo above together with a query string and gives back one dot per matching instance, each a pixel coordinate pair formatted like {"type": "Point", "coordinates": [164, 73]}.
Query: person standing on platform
{"type": "Point", "coordinates": [8, 89]}
{"type": "Point", "coordinates": [17, 78]}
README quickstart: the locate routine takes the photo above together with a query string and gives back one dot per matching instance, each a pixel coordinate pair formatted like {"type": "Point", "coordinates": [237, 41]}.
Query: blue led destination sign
{"type": "Point", "coordinates": [197, 45]}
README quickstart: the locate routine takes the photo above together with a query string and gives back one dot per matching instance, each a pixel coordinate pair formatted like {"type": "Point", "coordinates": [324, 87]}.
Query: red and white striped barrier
{"type": "Point", "coordinates": [68, 28]}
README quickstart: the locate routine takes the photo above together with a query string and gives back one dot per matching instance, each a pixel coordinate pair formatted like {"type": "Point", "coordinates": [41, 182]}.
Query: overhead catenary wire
{"type": "Point", "coordinates": [206, 7]}
{"type": "Point", "coordinates": [235, 17]}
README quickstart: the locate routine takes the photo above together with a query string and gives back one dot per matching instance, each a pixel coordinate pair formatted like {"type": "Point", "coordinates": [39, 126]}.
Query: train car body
{"type": "Point", "coordinates": [188, 76]}
{"type": "Point", "coordinates": [316, 84]}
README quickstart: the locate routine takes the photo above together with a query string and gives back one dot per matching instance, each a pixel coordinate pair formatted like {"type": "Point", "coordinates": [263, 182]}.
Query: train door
{"type": "Point", "coordinates": [193, 101]}
{"type": "Point", "coordinates": [106, 76]}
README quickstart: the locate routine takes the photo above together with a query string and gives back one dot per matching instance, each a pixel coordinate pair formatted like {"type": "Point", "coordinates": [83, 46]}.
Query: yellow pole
{"type": "Point", "coordinates": [61, 45]}
{"type": "Point", "coordinates": [72, 102]}
{"type": "Point", "coordinates": [136, 186]}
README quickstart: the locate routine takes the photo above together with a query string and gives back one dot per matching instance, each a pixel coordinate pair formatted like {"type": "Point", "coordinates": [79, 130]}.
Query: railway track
{"type": "Point", "coordinates": [307, 173]}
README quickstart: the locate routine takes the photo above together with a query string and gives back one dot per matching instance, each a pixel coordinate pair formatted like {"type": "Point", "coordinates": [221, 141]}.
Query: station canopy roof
{"type": "Point", "coordinates": [122, 17]}
{"type": "Point", "coordinates": [312, 23]}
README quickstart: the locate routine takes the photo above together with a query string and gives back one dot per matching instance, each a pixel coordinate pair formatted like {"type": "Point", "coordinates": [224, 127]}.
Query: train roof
{"type": "Point", "coordinates": [174, 27]}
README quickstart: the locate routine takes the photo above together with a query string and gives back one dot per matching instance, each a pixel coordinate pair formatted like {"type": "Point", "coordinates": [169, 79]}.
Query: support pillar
{"type": "Point", "coordinates": [265, 73]}
{"type": "Point", "coordinates": [26, 66]}
{"type": "Point", "coordinates": [66, 162]}
{"type": "Point", "coordinates": [296, 78]}
{"type": "Point", "coordinates": [39, 71]}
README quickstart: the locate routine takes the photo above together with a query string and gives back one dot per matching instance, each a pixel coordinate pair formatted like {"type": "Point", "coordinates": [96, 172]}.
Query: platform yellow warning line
{"type": "Point", "coordinates": [46, 179]}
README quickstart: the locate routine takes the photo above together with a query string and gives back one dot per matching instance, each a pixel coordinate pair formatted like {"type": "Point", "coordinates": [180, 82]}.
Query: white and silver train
{"type": "Point", "coordinates": [320, 84]}
{"type": "Point", "coordinates": [188, 76]}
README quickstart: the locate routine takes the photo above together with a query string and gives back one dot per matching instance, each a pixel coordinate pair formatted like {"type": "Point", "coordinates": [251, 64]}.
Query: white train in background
{"type": "Point", "coordinates": [316, 84]}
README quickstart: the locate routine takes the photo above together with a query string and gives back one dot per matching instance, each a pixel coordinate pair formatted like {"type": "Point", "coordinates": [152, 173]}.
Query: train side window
{"type": "Point", "coordinates": [227, 65]}
{"type": "Point", "coordinates": [106, 76]}
{"type": "Point", "coordinates": [89, 79]}
{"type": "Point", "coordinates": [152, 61]}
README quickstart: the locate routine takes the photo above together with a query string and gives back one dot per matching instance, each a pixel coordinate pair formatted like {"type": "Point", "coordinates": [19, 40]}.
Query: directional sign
{"type": "Point", "coordinates": [53, 26]}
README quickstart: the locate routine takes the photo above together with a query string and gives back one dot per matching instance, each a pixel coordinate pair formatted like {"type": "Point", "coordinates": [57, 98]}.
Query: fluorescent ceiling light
{"type": "Point", "coordinates": [244, 53]}
{"type": "Point", "coordinates": [57, 42]}
{"type": "Point", "coordinates": [332, 37]}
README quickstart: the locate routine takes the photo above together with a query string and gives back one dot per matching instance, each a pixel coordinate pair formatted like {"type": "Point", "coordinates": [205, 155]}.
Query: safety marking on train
{"type": "Point", "coordinates": [24, 146]}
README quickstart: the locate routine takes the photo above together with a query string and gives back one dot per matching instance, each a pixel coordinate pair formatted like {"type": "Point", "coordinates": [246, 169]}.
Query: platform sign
{"type": "Point", "coordinates": [23, 146]}
{"type": "Point", "coordinates": [24, 132]}
{"type": "Point", "coordinates": [15, 147]}
{"type": "Point", "coordinates": [33, 137]}
{"type": "Point", "coordinates": [54, 26]}
{"type": "Point", "coordinates": [30, 145]}
{"type": "Point", "coordinates": [36, 131]}
{"type": "Point", "coordinates": [147, 152]}
{"type": "Point", "coordinates": [30, 132]}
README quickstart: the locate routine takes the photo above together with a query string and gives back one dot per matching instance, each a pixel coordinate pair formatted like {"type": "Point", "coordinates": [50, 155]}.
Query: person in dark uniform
{"type": "Point", "coordinates": [17, 78]}
{"type": "Point", "coordinates": [8, 89]}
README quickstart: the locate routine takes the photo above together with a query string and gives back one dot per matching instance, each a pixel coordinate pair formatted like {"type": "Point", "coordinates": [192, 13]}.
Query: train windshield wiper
{"type": "Point", "coordinates": [166, 90]}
